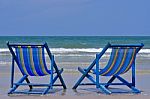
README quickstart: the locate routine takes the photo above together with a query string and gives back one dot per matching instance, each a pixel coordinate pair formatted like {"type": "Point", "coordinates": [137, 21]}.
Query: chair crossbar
{"type": "Point", "coordinates": [88, 76]}
{"type": "Point", "coordinates": [87, 84]}
{"type": "Point", "coordinates": [127, 45]}
{"type": "Point", "coordinates": [21, 44]}
{"type": "Point", "coordinates": [104, 84]}
{"type": "Point", "coordinates": [27, 92]}
{"type": "Point", "coordinates": [32, 84]}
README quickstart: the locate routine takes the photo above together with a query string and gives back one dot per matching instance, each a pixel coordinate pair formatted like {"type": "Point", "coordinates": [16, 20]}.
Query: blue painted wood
{"type": "Point", "coordinates": [13, 54]}
{"type": "Point", "coordinates": [12, 73]}
{"type": "Point", "coordinates": [133, 75]}
{"type": "Point", "coordinates": [97, 71]}
{"type": "Point", "coordinates": [55, 66]}
{"type": "Point", "coordinates": [46, 91]}
{"type": "Point", "coordinates": [110, 81]}
{"type": "Point", "coordinates": [104, 89]}
{"type": "Point", "coordinates": [52, 78]}
{"type": "Point", "coordinates": [135, 90]}
{"type": "Point", "coordinates": [52, 69]}
{"type": "Point", "coordinates": [87, 84]}
{"type": "Point", "coordinates": [88, 76]}
{"type": "Point", "coordinates": [90, 67]}
{"type": "Point", "coordinates": [34, 84]}
{"type": "Point", "coordinates": [24, 44]}
{"type": "Point", "coordinates": [129, 85]}
{"type": "Point", "coordinates": [56, 77]}
{"type": "Point", "coordinates": [104, 86]}
{"type": "Point", "coordinates": [16, 86]}
{"type": "Point", "coordinates": [15, 58]}
{"type": "Point", "coordinates": [128, 45]}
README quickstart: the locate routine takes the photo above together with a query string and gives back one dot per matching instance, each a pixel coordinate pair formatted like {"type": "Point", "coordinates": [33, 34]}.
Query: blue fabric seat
{"type": "Point", "coordinates": [122, 59]}
{"type": "Point", "coordinates": [31, 62]}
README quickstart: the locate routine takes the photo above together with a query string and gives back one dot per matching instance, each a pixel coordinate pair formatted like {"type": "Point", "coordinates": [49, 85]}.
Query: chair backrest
{"type": "Point", "coordinates": [30, 59]}
{"type": "Point", "coordinates": [122, 58]}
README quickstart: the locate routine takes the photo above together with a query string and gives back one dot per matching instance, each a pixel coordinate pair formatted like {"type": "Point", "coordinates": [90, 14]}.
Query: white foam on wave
{"type": "Point", "coordinates": [94, 50]}
{"type": "Point", "coordinates": [73, 50]}
{"type": "Point", "coordinates": [4, 50]}
{"type": "Point", "coordinates": [144, 51]}
{"type": "Point", "coordinates": [65, 50]}
{"type": "Point", "coordinates": [90, 50]}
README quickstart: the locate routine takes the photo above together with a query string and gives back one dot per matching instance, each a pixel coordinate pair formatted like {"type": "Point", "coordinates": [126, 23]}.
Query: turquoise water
{"type": "Point", "coordinates": [76, 41]}
{"type": "Point", "coordinates": [73, 51]}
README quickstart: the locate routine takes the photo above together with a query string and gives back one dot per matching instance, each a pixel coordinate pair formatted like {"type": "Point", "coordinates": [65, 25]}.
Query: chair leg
{"type": "Point", "coordinates": [88, 76]}
{"type": "Point", "coordinates": [133, 74]}
{"type": "Point", "coordinates": [60, 77]}
{"type": "Point", "coordinates": [129, 85]}
{"type": "Point", "coordinates": [46, 91]}
{"type": "Point", "coordinates": [100, 87]}
{"type": "Point", "coordinates": [30, 86]}
{"type": "Point", "coordinates": [27, 80]}
{"type": "Point", "coordinates": [12, 73]}
{"type": "Point", "coordinates": [135, 90]}
{"type": "Point", "coordinates": [56, 77]}
{"type": "Point", "coordinates": [51, 84]}
{"type": "Point", "coordinates": [85, 73]}
{"type": "Point", "coordinates": [110, 81]}
{"type": "Point", "coordinates": [16, 86]}
{"type": "Point", "coordinates": [104, 89]}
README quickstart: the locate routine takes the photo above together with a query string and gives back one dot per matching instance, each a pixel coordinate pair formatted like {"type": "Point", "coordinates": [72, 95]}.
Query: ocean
{"type": "Point", "coordinates": [73, 51]}
{"type": "Point", "coordinates": [76, 41]}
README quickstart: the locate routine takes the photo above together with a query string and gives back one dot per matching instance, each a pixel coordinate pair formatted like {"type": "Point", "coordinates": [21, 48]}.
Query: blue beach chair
{"type": "Point", "coordinates": [122, 59]}
{"type": "Point", "coordinates": [31, 62]}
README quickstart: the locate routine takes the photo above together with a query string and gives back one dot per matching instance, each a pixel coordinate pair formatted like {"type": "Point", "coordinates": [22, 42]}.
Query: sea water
{"type": "Point", "coordinates": [73, 51]}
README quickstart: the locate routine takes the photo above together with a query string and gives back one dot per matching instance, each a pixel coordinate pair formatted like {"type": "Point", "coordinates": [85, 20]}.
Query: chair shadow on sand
{"type": "Point", "coordinates": [89, 91]}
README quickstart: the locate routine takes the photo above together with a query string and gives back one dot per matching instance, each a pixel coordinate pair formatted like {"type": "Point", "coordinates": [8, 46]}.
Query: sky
{"type": "Point", "coordinates": [74, 17]}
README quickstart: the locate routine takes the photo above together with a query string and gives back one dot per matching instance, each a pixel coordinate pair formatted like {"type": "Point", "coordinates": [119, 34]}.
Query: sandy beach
{"type": "Point", "coordinates": [88, 92]}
